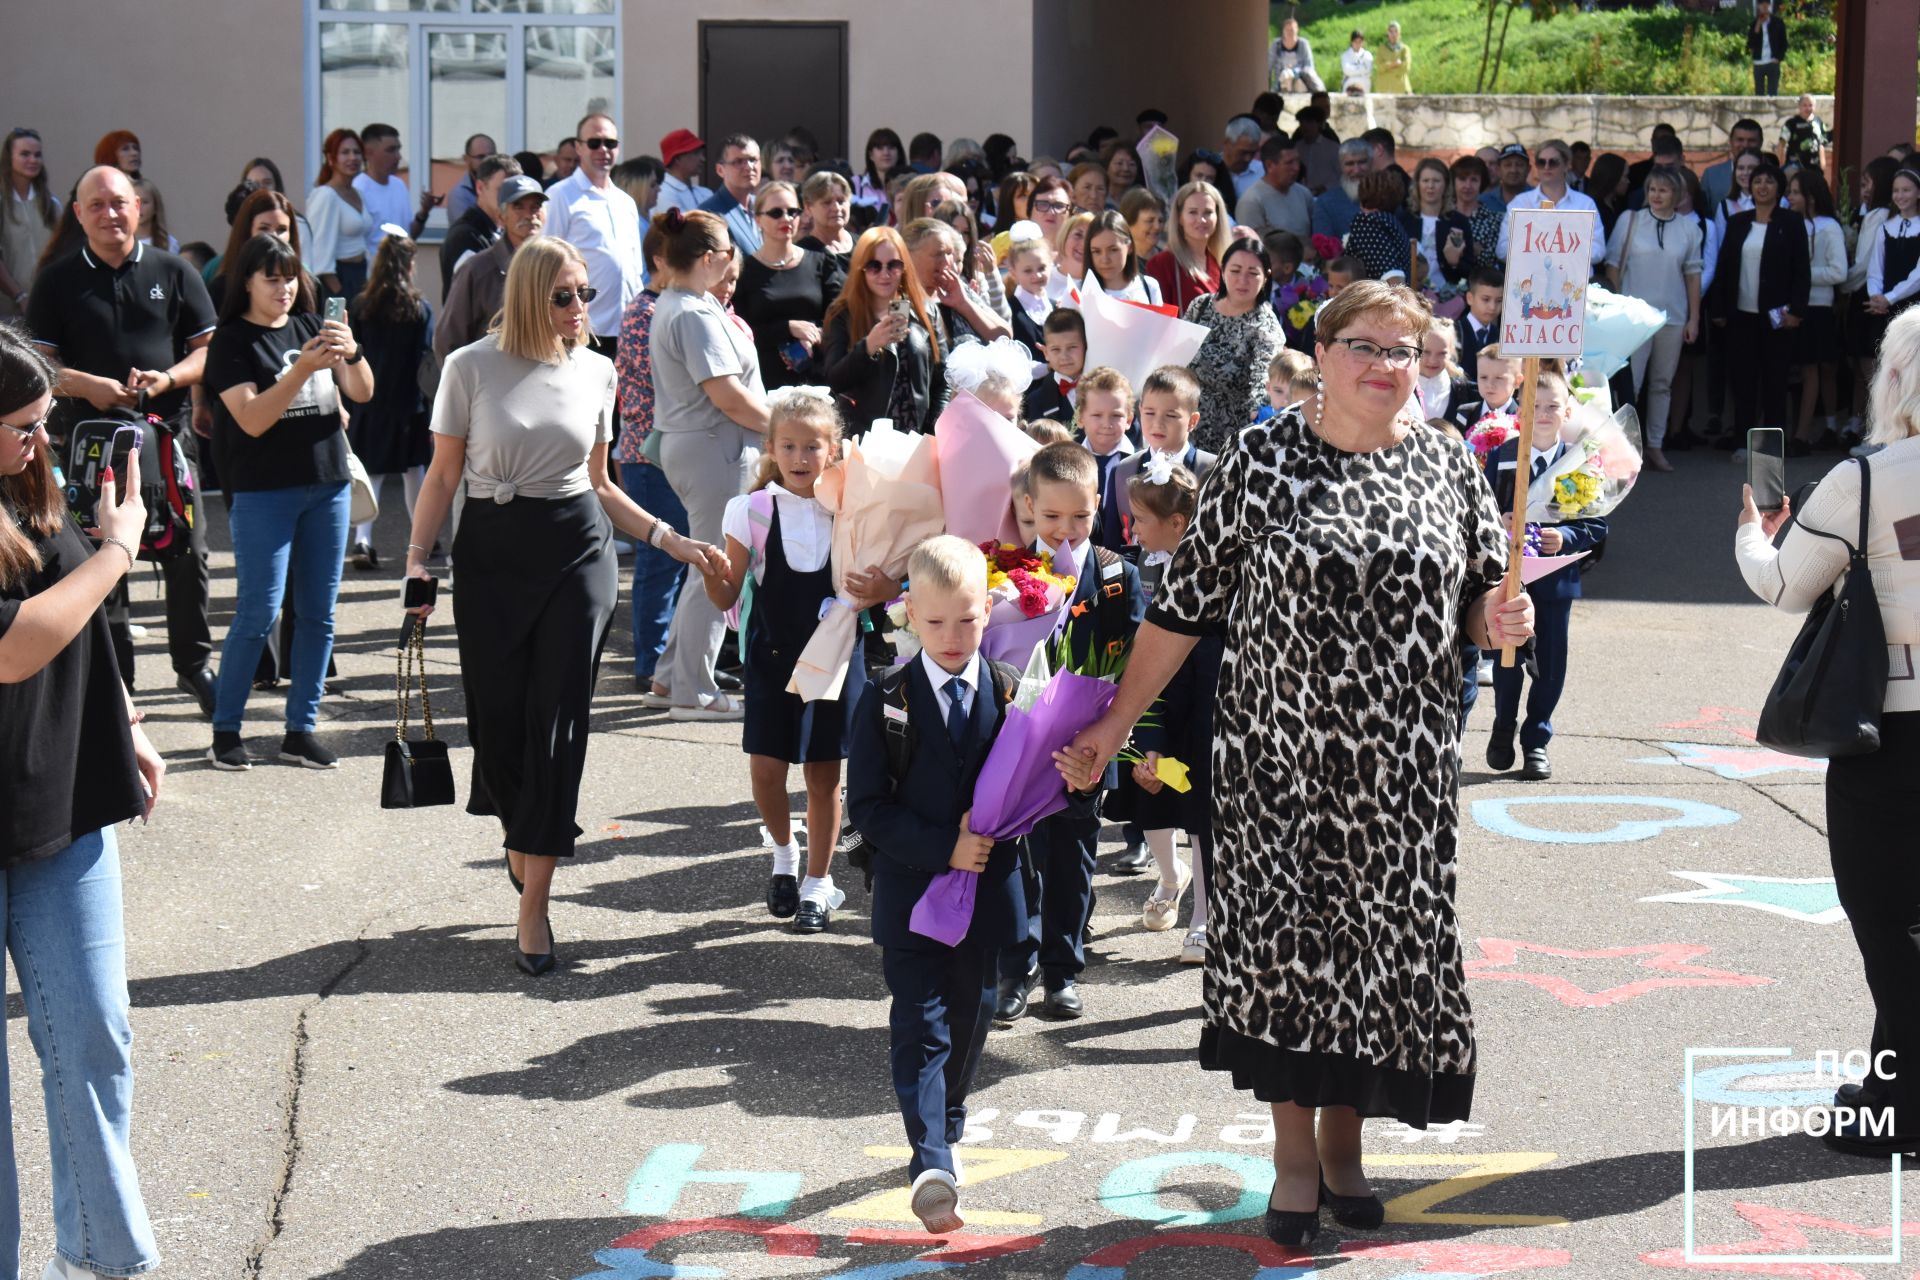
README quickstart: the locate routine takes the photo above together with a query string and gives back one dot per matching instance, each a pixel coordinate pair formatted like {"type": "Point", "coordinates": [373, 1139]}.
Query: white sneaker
{"type": "Point", "coordinates": [1484, 676]}
{"type": "Point", "coordinates": [1162, 910]}
{"type": "Point", "coordinates": [718, 706]}
{"type": "Point", "coordinates": [936, 1203]}
{"type": "Point", "coordinates": [61, 1269]}
{"type": "Point", "coordinates": [1194, 949]}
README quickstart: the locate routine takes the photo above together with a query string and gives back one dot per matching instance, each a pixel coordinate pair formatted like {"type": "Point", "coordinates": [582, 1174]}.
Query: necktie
{"type": "Point", "coordinates": [957, 711]}
{"type": "Point", "coordinates": [1539, 465]}
{"type": "Point", "coordinates": [1066, 386]}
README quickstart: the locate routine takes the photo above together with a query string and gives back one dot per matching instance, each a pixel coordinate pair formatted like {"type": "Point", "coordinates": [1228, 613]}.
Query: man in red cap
{"type": "Point", "coordinates": [685, 157]}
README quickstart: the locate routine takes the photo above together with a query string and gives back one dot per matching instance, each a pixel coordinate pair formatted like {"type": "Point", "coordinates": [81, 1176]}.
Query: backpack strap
{"type": "Point", "coordinates": [759, 523]}
{"type": "Point", "coordinates": [1110, 596]}
{"type": "Point", "coordinates": [896, 723]}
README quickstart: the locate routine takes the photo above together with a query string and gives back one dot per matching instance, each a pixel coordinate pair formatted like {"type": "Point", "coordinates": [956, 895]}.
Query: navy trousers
{"type": "Point", "coordinates": [942, 1008]}
{"type": "Point", "coordinates": [1059, 887]}
{"type": "Point", "coordinates": [1550, 625]}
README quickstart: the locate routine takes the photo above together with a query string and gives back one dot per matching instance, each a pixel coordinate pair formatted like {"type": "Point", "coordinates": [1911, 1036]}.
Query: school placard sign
{"type": "Point", "coordinates": [1549, 260]}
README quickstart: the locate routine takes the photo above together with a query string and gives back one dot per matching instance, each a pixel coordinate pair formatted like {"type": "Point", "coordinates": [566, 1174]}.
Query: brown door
{"type": "Point", "coordinates": [763, 78]}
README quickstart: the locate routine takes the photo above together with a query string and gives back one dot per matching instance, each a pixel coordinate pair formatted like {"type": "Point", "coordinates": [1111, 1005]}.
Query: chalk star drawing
{"type": "Point", "coordinates": [1446, 1134]}
{"type": "Point", "coordinates": [1738, 721]}
{"type": "Point", "coordinates": [1669, 960]}
{"type": "Point", "coordinates": [1734, 762]}
{"type": "Point", "coordinates": [1812, 901]}
{"type": "Point", "coordinates": [1784, 1232]}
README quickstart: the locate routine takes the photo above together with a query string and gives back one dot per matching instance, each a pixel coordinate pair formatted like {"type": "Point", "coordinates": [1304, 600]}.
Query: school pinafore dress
{"type": "Point", "coordinates": [786, 608]}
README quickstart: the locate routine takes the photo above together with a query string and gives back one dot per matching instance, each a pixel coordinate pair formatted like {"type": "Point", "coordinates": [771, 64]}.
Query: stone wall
{"type": "Point", "coordinates": [1467, 122]}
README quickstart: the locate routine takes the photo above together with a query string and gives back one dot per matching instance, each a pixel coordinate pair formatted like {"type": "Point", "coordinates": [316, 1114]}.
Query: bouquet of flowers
{"type": "Point", "coordinates": [1599, 469]}
{"type": "Point", "coordinates": [1025, 597]}
{"type": "Point", "coordinates": [1492, 431]}
{"type": "Point", "coordinates": [1297, 302]}
{"type": "Point", "coordinates": [1023, 576]}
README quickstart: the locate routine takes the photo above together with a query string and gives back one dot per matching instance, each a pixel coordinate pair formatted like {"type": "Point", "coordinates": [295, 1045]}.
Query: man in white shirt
{"type": "Point", "coordinates": [1278, 201]}
{"type": "Point", "coordinates": [1242, 141]}
{"type": "Point", "coordinates": [1551, 159]}
{"type": "Point", "coordinates": [739, 178]}
{"type": "Point", "coordinates": [600, 220]}
{"type": "Point", "coordinates": [387, 201]}
{"type": "Point", "coordinates": [685, 156]}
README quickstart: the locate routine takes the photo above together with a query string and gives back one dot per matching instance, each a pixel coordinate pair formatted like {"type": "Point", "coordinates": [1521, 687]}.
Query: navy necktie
{"type": "Point", "coordinates": [1539, 465]}
{"type": "Point", "coordinates": [957, 711]}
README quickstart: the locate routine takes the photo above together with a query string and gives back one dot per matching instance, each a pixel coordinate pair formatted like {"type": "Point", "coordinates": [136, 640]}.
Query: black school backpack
{"type": "Point", "coordinates": [166, 481]}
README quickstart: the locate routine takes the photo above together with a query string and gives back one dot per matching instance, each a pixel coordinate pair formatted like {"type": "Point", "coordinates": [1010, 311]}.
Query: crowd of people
{"type": "Point", "coordinates": [625, 361]}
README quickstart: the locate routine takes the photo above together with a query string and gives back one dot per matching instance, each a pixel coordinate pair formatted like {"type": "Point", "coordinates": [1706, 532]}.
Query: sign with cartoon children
{"type": "Point", "coordinates": [1545, 311]}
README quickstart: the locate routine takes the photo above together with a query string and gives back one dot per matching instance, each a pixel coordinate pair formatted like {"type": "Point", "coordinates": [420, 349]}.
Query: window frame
{"type": "Point", "coordinates": [416, 129]}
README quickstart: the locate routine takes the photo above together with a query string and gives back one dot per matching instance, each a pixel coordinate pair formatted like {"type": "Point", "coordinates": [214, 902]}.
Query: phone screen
{"type": "Point", "coordinates": [1767, 467]}
{"type": "Point", "coordinates": [336, 309]}
{"type": "Point", "coordinates": [126, 440]}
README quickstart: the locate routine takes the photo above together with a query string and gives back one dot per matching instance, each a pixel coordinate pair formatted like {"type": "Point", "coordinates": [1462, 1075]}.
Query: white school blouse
{"type": "Point", "coordinates": [806, 528]}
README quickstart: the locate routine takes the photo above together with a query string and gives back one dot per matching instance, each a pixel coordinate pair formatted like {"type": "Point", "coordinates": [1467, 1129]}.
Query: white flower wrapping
{"type": "Point", "coordinates": [1603, 456]}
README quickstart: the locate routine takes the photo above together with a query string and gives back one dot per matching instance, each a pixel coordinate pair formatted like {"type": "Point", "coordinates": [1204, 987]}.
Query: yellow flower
{"type": "Point", "coordinates": [1173, 773]}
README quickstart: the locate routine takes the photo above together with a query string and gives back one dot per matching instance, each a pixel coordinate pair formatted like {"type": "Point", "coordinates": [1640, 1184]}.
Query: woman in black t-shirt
{"type": "Point", "coordinates": [784, 290]}
{"type": "Point", "coordinates": [277, 371]}
{"type": "Point", "coordinates": [73, 763]}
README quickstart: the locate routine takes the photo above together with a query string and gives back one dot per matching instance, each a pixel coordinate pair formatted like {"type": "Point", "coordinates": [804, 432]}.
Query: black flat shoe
{"type": "Point", "coordinates": [531, 965]}
{"type": "Point", "coordinates": [1500, 748]}
{"type": "Point", "coordinates": [200, 684]}
{"type": "Point", "coordinates": [512, 879]}
{"type": "Point", "coordinates": [1063, 1004]}
{"type": "Point", "coordinates": [783, 897]}
{"type": "Point", "coordinates": [1292, 1227]}
{"type": "Point", "coordinates": [811, 918]}
{"type": "Point", "coordinates": [1131, 861]}
{"type": "Point", "coordinates": [1362, 1213]}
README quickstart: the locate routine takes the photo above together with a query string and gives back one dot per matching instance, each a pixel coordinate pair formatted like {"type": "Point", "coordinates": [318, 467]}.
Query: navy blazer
{"type": "Point", "coordinates": [1116, 504]}
{"type": "Point", "coordinates": [1469, 346]}
{"type": "Point", "coordinates": [1028, 330]}
{"type": "Point", "coordinates": [1466, 407]}
{"type": "Point", "coordinates": [913, 832]}
{"type": "Point", "coordinates": [1576, 535]}
{"type": "Point", "coordinates": [1044, 399]}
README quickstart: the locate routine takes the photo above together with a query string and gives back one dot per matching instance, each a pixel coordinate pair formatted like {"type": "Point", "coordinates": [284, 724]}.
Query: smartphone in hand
{"type": "Point", "coordinates": [336, 310]}
{"type": "Point", "coordinates": [126, 442]}
{"type": "Point", "coordinates": [1767, 467]}
{"type": "Point", "coordinates": [420, 591]}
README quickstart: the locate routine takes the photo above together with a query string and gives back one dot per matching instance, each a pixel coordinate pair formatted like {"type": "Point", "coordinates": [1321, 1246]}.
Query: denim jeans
{"type": "Point", "coordinates": [304, 527]}
{"type": "Point", "coordinates": [656, 575]}
{"type": "Point", "coordinates": [63, 929]}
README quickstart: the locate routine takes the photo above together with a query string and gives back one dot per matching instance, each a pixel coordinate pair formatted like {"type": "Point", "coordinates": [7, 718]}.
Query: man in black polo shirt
{"type": "Point", "coordinates": [120, 317]}
{"type": "Point", "coordinates": [475, 230]}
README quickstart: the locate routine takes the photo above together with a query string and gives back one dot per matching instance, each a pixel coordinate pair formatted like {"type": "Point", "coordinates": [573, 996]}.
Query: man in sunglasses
{"type": "Point", "coordinates": [739, 178]}
{"type": "Point", "coordinates": [591, 213]}
{"type": "Point", "coordinates": [1551, 160]}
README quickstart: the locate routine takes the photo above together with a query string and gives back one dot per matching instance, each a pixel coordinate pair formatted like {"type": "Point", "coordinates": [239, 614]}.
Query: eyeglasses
{"type": "Point", "coordinates": [780, 215]}
{"type": "Point", "coordinates": [565, 297]}
{"type": "Point", "coordinates": [28, 433]}
{"type": "Point", "coordinates": [1392, 357]}
{"type": "Point", "coordinates": [879, 268]}
{"type": "Point", "coordinates": [752, 162]}
{"type": "Point", "coordinates": [1549, 162]}
{"type": "Point", "coordinates": [1051, 206]}
{"type": "Point", "coordinates": [598, 144]}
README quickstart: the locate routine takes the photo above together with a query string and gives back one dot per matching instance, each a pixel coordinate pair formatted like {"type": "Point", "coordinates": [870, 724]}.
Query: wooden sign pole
{"type": "Point", "coordinates": [1522, 480]}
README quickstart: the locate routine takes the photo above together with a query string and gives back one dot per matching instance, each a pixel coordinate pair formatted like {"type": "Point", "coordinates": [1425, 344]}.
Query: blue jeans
{"type": "Point", "coordinates": [656, 575]}
{"type": "Point", "coordinates": [302, 529]}
{"type": "Point", "coordinates": [63, 929]}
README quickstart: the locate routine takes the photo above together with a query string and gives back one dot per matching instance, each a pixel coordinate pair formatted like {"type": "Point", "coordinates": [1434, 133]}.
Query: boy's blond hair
{"type": "Point", "coordinates": [1047, 431]}
{"type": "Point", "coordinates": [1289, 366]}
{"type": "Point", "coordinates": [947, 563]}
{"type": "Point", "coordinates": [1102, 378]}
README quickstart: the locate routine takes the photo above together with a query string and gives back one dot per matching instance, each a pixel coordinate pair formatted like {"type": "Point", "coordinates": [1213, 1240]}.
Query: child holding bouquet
{"type": "Point", "coordinates": [1169, 411]}
{"type": "Point", "coordinates": [919, 739]}
{"type": "Point", "coordinates": [1553, 595]}
{"type": "Point", "coordinates": [778, 542]}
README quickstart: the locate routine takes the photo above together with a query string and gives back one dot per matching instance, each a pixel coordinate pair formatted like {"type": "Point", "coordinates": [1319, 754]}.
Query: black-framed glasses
{"type": "Point", "coordinates": [28, 433]}
{"type": "Point", "coordinates": [754, 161]}
{"type": "Point", "coordinates": [1051, 206]}
{"type": "Point", "coordinates": [600, 144]}
{"type": "Point", "coordinates": [565, 297]}
{"type": "Point", "coordinates": [1392, 357]}
{"type": "Point", "coordinates": [780, 215]}
{"type": "Point", "coordinates": [879, 268]}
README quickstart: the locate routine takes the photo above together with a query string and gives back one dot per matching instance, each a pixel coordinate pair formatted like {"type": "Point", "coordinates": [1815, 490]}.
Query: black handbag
{"type": "Point", "coordinates": [417, 773]}
{"type": "Point", "coordinates": [1828, 697]}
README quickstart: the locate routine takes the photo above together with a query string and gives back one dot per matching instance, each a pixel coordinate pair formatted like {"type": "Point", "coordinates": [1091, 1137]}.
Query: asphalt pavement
{"type": "Point", "coordinates": [341, 1075]}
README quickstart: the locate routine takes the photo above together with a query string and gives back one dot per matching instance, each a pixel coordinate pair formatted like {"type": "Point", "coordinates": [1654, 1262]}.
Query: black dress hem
{"type": "Point", "coordinates": [1309, 1079]}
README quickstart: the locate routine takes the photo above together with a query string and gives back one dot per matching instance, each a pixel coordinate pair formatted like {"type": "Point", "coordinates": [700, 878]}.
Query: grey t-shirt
{"type": "Point", "coordinates": [529, 426]}
{"type": "Point", "coordinates": [692, 339]}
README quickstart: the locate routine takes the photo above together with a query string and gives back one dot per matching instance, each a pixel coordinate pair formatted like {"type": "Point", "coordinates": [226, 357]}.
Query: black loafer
{"type": "Point", "coordinates": [1010, 1002]}
{"type": "Point", "coordinates": [783, 896]}
{"type": "Point", "coordinates": [811, 918]}
{"type": "Point", "coordinates": [200, 683]}
{"type": "Point", "coordinates": [1362, 1213]}
{"type": "Point", "coordinates": [727, 682]}
{"type": "Point", "coordinates": [1131, 861]}
{"type": "Point", "coordinates": [1063, 1003]}
{"type": "Point", "coordinates": [1500, 748]}
{"type": "Point", "coordinates": [1291, 1228]}
{"type": "Point", "coordinates": [1537, 767]}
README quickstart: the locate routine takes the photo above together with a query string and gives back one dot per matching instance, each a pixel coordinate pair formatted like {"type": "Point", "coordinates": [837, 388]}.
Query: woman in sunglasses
{"type": "Point", "coordinates": [784, 290]}
{"type": "Point", "coordinates": [882, 355]}
{"type": "Point", "coordinates": [523, 419]}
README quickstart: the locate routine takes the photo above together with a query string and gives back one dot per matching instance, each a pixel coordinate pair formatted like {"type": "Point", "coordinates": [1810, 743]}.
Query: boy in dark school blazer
{"type": "Point", "coordinates": [1169, 411]}
{"type": "Point", "coordinates": [1064, 339]}
{"type": "Point", "coordinates": [919, 738]}
{"type": "Point", "coordinates": [1063, 495]}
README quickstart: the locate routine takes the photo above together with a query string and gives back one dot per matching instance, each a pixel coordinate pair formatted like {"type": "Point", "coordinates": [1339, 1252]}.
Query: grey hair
{"type": "Point", "coordinates": [1896, 383]}
{"type": "Point", "coordinates": [916, 233]}
{"type": "Point", "coordinates": [1243, 129]}
{"type": "Point", "coordinates": [1356, 147]}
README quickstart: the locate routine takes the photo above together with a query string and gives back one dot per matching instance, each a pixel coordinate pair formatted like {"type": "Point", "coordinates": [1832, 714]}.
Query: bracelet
{"type": "Point", "coordinates": [172, 381]}
{"type": "Point", "coordinates": [414, 546]}
{"type": "Point", "coordinates": [658, 534]}
{"type": "Point", "coordinates": [116, 542]}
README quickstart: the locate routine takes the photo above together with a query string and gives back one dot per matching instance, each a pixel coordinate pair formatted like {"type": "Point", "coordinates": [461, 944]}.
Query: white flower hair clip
{"type": "Point", "coordinates": [1024, 230]}
{"type": "Point", "coordinates": [1158, 468]}
{"type": "Point", "coordinates": [973, 363]}
{"type": "Point", "coordinates": [779, 398]}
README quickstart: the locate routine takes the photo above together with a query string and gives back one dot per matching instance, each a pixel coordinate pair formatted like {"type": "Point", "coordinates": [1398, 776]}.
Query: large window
{"type": "Point", "coordinates": [521, 71]}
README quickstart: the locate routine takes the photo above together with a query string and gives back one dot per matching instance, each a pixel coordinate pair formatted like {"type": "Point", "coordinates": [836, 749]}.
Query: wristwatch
{"type": "Point", "coordinates": [359, 354]}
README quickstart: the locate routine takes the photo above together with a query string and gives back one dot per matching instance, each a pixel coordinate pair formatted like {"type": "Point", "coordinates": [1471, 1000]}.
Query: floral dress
{"type": "Point", "coordinates": [633, 364]}
{"type": "Point", "coordinates": [1334, 969]}
{"type": "Point", "coordinates": [1232, 367]}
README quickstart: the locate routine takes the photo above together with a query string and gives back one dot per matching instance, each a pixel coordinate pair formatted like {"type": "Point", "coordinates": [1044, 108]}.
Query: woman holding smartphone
{"type": "Point", "coordinates": [882, 355]}
{"type": "Point", "coordinates": [277, 371]}
{"type": "Point", "coordinates": [86, 767]}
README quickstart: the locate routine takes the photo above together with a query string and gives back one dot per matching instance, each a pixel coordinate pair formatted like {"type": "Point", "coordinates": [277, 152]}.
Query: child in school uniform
{"type": "Point", "coordinates": [1285, 369]}
{"type": "Point", "coordinates": [1164, 498]}
{"type": "Point", "coordinates": [1029, 268]}
{"type": "Point", "coordinates": [1437, 384]}
{"type": "Point", "coordinates": [1063, 338]}
{"type": "Point", "coordinates": [1103, 409]}
{"type": "Point", "coordinates": [778, 541]}
{"type": "Point", "coordinates": [1494, 392]}
{"type": "Point", "coordinates": [1063, 494]}
{"type": "Point", "coordinates": [1169, 411]}
{"type": "Point", "coordinates": [1553, 595]}
{"type": "Point", "coordinates": [920, 736]}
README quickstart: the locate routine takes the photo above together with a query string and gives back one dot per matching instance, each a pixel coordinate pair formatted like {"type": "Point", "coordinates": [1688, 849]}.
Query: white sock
{"type": "Point", "coordinates": [786, 858]}
{"type": "Point", "coordinates": [820, 891]}
{"type": "Point", "coordinates": [1199, 920]}
{"type": "Point", "coordinates": [1160, 845]}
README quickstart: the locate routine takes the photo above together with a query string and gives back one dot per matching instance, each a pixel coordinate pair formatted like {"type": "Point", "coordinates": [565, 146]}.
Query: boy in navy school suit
{"type": "Point", "coordinates": [1104, 408]}
{"type": "Point", "coordinates": [1063, 495]}
{"type": "Point", "coordinates": [1479, 326]}
{"type": "Point", "coordinates": [917, 826]}
{"type": "Point", "coordinates": [1492, 391]}
{"type": "Point", "coordinates": [1553, 595]}
{"type": "Point", "coordinates": [1064, 339]}
{"type": "Point", "coordinates": [1169, 411]}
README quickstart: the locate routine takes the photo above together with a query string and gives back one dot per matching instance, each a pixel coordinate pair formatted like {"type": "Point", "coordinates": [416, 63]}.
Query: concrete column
{"type": "Point", "coordinates": [1874, 80]}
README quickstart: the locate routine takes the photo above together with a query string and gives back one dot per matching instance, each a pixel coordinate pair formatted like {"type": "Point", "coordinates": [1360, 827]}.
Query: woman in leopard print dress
{"type": "Point", "coordinates": [1345, 549]}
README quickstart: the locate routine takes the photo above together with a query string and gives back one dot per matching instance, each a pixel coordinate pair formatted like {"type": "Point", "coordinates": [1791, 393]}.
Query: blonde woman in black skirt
{"type": "Point", "coordinates": [523, 419]}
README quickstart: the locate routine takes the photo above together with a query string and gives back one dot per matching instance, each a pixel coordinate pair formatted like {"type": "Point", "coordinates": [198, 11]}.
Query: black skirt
{"type": "Point", "coordinates": [1817, 341]}
{"type": "Point", "coordinates": [1312, 1079]}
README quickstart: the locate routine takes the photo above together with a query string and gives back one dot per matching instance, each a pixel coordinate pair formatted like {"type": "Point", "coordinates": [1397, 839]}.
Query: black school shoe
{"type": "Point", "coordinates": [1131, 861]}
{"type": "Point", "coordinates": [812, 917]}
{"type": "Point", "coordinates": [200, 683]}
{"type": "Point", "coordinates": [305, 750]}
{"type": "Point", "coordinates": [1537, 767]}
{"type": "Point", "coordinates": [783, 896]}
{"type": "Point", "coordinates": [1500, 747]}
{"type": "Point", "coordinates": [1063, 1003]}
{"type": "Point", "coordinates": [1010, 1000]}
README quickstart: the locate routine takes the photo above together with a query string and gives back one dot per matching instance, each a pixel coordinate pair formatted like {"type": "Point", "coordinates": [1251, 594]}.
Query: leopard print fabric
{"type": "Point", "coordinates": [1341, 579]}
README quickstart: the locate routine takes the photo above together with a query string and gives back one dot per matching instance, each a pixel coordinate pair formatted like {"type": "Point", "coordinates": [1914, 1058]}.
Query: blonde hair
{"type": "Point", "coordinates": [1895, 397]}
{"type": "Point", "coordinates": [947, 563]}
{"type": "Point", "coordinates": [1290, 364]}
{"type": "Point", "coordinates": [1216, 243]}
{"type": "Point", "coordinates": [1082, 221]}
{"type": "Point", "coordinates": [1047, 431]}
{"type": "Point", "coordinates": [524, 326]}
{"type": "Point", "coordinates": [1026, 249]}
{"type": "Point", "coordinates": [801, 406]}
{"type": "Point", "coordinates": [1304, 384]}
{"type": "Point", "coordinates": [1103, 378]}
{"type": "Point", "coordinates": [1451, 337]}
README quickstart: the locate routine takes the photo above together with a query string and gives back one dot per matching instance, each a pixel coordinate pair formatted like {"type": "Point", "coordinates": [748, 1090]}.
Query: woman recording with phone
{"type": "Point", "coordinates": [523, 420]}
{"type": "Point", "coordinates": [85, 767]}
{"type": "Point", "coordinates": [882, 355]}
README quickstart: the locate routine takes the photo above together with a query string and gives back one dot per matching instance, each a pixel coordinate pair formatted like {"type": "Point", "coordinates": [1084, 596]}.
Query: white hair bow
{"type": "Point", "coordinates": [972, 363]}
{"type": "Point", "coordinates": [778, 399]}
{"type": "Point", "coordinates": [1024, 230]}
{"type": "Point", "coordinates": [394, 229]}
{"type": "Point", "coordinates": [1158, 468]}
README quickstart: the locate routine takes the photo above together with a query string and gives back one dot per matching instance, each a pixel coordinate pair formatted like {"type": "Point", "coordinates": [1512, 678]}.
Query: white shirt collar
{"type": "Point", "coordinates": [1032, 303]}
{"type": "Point", "coordinates": [1079, 554]}
{"type": "Point", "coordinates": [938, 675]}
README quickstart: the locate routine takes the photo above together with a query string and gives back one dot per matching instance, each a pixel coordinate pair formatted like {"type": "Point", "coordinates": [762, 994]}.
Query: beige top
{"type": "Point", "coordinates": [529, 426]}
{"type": "Point", "coordinates": [1806, 564]}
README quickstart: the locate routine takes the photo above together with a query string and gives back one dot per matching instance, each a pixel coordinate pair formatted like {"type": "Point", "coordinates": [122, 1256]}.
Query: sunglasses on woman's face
{"type": "Point", "coordinates": [780, 215]}
{"type": "Point", "coordinates": [564, 297]}
{"type": "Point", "coordinates": [878, 268]}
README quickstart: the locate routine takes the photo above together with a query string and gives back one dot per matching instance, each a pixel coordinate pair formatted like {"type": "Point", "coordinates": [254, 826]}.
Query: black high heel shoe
{"type": "Point", "coordinates": [1292, 1227]}
{"type": "Point", "coordinates": [512, 879]}
{"type": "Point", "coordinates": [531, 965]}
{"type": "Point", "coordinates": [1362, 1213]}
